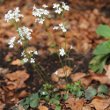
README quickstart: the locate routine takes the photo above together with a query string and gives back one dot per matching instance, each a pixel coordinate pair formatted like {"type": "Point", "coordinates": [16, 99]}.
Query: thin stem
{"type": "Point", "coordinates": [34, 67]}
{"type": "Point", "coordinates": [63, 67]}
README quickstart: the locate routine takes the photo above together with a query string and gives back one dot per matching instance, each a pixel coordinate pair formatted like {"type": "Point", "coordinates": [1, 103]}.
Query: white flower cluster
{"type": "Point", "coordinates": [12, 42]}
{"type": "Point", "coordinates": [59, 8]}
{"type": "Point", "coordinates": [62, 52]}
{"type": "Point", "coordinates": [40, 13]}
{"type": "Point", "coordinates": [29, 56]}
{"type": "Point", "coordinates": [13, 15]}
{"type": "Point", "coordinates": [24, 33]}
{"type": "Point", "coordinates": [60, 26]}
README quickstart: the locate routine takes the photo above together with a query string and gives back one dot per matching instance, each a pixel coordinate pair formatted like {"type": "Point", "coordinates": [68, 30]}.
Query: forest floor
{"type": "Point", "coordinates": [18, 81]}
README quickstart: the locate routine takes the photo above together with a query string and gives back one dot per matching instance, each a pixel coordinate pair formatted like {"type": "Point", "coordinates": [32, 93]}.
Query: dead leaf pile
{"type": "Point", "coordinates": [16, 79]}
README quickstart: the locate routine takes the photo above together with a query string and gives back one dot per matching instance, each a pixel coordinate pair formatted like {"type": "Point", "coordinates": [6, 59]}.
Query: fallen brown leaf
{"type": "Point", "coordinates": [86, 107]}
{"type": "Point", "coordinates": [77, 76]}
{"type": "Point", "coordinates": [103, 79]}
{"type": "Point", "coordinates": [75, 104]}
{"type": "Point", "coordinates": [54, 78]}
{"type": "Point", "coordinates": [16, 79]}
{"type": "Point", "coordinates": [3, 71]}
{"type": "Point", "coordinates": [41, 107]}
{"type": "Point", "coordinates": [61, 73]}
{"type": "Point", "coordinates": [16, 62]}
{"type": "Point", "coordinates": [100, 103]}
{"type": "Point", "coordinates": [86, 81]}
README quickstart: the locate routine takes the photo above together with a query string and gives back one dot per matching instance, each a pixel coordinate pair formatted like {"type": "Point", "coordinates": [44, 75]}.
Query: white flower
{"type": "Point", "coordinates": [40, 13]}
{"type": "Point", "coordinates": [40, 20]}
{"type": "Point", "coordinates": [65, 7]}
{"type": "Point", "coordinates": [13, 15]}
{"type": "Point", "coordinates": [35, 52]}
{"type": "Point", "coordinates": [32, 60]}
{"type": "Point", "coordinates": [25, 32]}
{"type": "Point", "coordinates": [28, 56]}
{"type": "Point", "coordinates": [44, 6]}
{"type": "Point", "coordinates": [55, 27]}
{"type": "Point", "coordinates": [11, 42]}
{"type": "Point", "coordinates": [59, 8]}
{"type": "Point", "coordinates": [55, 5]}
{"type": "Point", "coordinates": [20, 42]}
{"type": "Point", "coordinates": [23, 54]}
{"type": "Point", "coordinates": [25, 60]}
{"type": "Point", "coordinates": [61, 25]}
{"type": "Point", "coordinates": [62, 52]}
{"type": "Point", "coordinates": [43, 93]}
{"type": "Point", "coordinates": [71, 47]}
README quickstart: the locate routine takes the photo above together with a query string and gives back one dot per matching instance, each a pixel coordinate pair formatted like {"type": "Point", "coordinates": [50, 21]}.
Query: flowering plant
{"type": "Point", "coordinates": [14, 16]}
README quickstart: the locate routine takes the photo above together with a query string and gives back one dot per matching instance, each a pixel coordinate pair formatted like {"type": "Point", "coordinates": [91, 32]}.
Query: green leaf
{"type": "Point", "coordinates": [103, 89]}
{"type": "Point", "coordinates": [90, 92]}
{"type": "Point", "coordinates": [34, 100]}
{"type": "Point", "coordinates": [102, 49]}
{"type": "Point", "coordinates": [97, 63]}
{"type": "Point", "coordinates": [65, 97]}
{"type": "Point", "coordinates": [58, 107]}
{"type": "Point", "coordinates": [34, 103]}
{"type": "Point", "coordinates": [54, 101]}
{"type": "Point", "coordinates": [25, 103]}
{"type": "Point", "coordinates": [103, 30]}
{"type": "Point", "coordinates": [79, 93]}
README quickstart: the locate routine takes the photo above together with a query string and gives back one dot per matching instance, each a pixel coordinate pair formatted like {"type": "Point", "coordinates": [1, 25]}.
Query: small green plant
{"type": "Point", "coordinates": [102, 51]}
{"type": "Point", "coordinates": [46, 93]}
{"type": "Point", "coordinates": [31, 101]}
{"type": "Point", "coordinates": [76, 89]}
{"type": "Point", "coordinates": [53, 96]}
